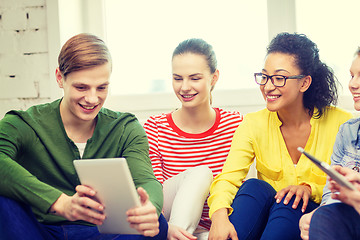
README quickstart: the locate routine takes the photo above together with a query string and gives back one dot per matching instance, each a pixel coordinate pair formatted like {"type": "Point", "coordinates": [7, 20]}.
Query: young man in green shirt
{"type": "Point", "coordinates": [38, 146]}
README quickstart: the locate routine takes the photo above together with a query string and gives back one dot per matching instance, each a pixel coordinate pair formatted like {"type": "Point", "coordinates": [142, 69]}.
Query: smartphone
{"type": "Point", "coordinates": [340, 179]}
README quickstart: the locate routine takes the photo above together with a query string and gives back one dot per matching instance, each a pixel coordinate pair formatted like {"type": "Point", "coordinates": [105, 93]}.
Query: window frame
{"type": "Point", "coordinates": [281, 17]}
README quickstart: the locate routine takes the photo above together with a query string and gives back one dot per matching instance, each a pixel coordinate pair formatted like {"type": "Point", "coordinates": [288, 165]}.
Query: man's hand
{"type": "Point", "coordinates": [144, 218]}
{"type": "Point", "coordinates": [81, 206]}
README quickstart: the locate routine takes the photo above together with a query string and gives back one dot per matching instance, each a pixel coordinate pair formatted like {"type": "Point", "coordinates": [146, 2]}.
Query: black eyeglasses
{"type": "Point", "coordinates": [276, 80]}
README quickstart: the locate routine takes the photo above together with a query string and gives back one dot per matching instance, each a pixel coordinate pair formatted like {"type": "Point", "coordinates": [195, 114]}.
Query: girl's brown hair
{"type": "Point", "coordinates": [200, 47]}
{"type": "Point", "coordinates": [357, 51]}
{"type": "Point", "coordinates": [81, 52]}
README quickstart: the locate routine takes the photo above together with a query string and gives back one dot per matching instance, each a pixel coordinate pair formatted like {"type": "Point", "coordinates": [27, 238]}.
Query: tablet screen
{"type": "Point", "coordinates": [114, 186]}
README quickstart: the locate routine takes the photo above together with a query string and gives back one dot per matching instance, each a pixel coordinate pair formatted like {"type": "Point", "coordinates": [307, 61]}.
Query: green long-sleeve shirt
{"type": "Point", "coordinates": [36, 156]}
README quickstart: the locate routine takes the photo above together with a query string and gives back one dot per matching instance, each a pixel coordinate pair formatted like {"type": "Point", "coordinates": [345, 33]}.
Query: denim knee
{"type": "Point", "coordinates": [17, 221]}
{"type": "Point", "coordinates": [255, 187]}
{"type": "Point", "coordinates": [335, 221]}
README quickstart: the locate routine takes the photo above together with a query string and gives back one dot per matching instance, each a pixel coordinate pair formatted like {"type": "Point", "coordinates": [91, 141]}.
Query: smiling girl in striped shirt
{"type": "Point", "coordinates": [188, 146]}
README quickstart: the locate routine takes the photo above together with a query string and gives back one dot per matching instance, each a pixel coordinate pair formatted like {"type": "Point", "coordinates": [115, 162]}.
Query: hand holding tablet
{"type": "Point", "coordinates": [340, 179]}
{"type": "Point", "coordinates": [114, 186]}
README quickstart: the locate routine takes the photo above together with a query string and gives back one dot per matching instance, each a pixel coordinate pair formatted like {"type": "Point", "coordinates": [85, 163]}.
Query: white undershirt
{"type": "Point", "coordinates": [81, 148]}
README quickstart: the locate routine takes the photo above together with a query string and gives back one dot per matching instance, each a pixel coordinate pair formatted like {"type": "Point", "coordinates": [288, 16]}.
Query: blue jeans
{"type": "Point", "coordinates": [335, 221]}
{"type": "Point", "coordinates": [18, 222]}
{"type": "Point", "coordinates": [256, 214]}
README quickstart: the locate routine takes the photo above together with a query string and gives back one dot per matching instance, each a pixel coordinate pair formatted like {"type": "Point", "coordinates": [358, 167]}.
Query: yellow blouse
{"type": "Point", "coordinates": [259, 136]}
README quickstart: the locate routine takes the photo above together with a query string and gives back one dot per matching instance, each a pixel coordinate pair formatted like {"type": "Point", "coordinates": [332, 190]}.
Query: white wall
{"type": "Point", "coordinates": [31, 34]}
{"type": "Point", "coordinates": [24, 75]}
{"type": "Point", "coordinates": [30, 40]}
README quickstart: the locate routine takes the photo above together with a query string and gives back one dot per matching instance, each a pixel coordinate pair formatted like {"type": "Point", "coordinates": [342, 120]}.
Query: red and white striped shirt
{"type": "Point", "coordinates": [172, 150]}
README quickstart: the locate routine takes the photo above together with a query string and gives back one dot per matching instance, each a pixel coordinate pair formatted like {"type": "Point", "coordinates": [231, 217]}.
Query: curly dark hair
{"type": "Point", "coordinates": [323, 89]}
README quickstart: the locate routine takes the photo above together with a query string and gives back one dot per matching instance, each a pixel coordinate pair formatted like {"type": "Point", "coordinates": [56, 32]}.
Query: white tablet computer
{"type": "Point", "coordinates": [114, 186]}
{"type": "Point", "coordinates": [340, 179]}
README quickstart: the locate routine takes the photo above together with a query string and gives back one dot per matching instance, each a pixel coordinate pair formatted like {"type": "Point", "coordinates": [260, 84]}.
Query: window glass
{"type": "Point", "coordinates": [333, 26]}
{"type": "Point", "coordinates": [142, 34]}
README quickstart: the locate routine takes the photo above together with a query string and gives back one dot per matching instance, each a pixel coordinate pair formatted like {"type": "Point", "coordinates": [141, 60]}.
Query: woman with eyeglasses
{"type": "Point", "coordinates": [299, 91]}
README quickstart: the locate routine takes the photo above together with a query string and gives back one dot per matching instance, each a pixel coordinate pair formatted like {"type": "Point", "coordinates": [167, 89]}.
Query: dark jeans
{"type": "Point", "coordinates": [256, 214]}
{"type": "Point", "coordinates": [335, 221]}
{"type": "Point", "coordinates": [18, 222]}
